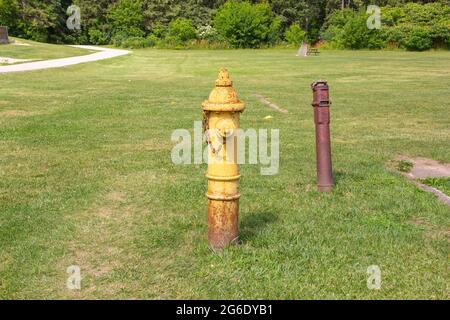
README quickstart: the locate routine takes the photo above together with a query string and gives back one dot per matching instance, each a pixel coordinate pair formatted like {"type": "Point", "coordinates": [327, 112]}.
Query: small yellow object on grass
{"type": "Point", "coordinates": [268, 117]}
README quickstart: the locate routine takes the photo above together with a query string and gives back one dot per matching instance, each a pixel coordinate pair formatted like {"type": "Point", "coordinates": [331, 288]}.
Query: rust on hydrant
{"type": "Point", "coordinates": [221, 114]}
{"type": "Point", "coordinates": [321, 104]}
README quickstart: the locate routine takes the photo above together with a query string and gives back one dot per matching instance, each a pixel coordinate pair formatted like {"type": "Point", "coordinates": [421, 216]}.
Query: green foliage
{"type": "Point", "coordinates": [356, 35]}
{"type": "Point", "coordinates": [137, 42]}
{"type": "Point", "coordinates": [412, 26]}
{"type": "Point", "coordinates": [127, 18]}
{"type": "Point", "coordinates": [37, 20]}
{"type": "Point", "coordinates": [295, 35]}
{"type": "Point", "coordinates": [440, 35]}
{"type": "Point", "coordinates": [418, 39]}
{"type": "Point", "coordinates": [162, 12]}
{"type": "Point", "coordinates": [9, 13]}
{"type": "Point", "coordinates": [94, 20]}
{"type": "Point", "coordinates": [405, 166]}
{"type": "Point", "coordinates": [208, 33]}
{"type": "Point", "coordinates": [250, 23]}
{"type": "Point", "coordinates": [417, 27]}
{"type": "Point", "coordinates": [182, 30]}
{"type": "Point", "coordinates": [97, 36]}
{"type": "Point", "coordinates": [443, 184]}
{"type": "Point", "coordinates": [246, 25]}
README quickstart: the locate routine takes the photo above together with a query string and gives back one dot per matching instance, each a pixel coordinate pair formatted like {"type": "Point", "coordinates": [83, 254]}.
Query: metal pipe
{"type": "Point", "coordinates": [321, 104]}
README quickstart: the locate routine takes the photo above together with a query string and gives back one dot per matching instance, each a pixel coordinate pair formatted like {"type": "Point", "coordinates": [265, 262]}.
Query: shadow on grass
{"type": "Point", "coordinates": [338, 176]}
{"type": "Point", "coordinates": [252, 224]}
{"type": "Point", "coordinates": [344, 177]}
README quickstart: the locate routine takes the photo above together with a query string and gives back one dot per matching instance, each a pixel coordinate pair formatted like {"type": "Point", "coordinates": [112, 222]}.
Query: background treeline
{"type": "Point", "coordinates": [414, 25]}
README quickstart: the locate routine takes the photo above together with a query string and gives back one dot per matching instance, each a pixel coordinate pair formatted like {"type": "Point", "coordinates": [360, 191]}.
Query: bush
{"type": "Point", "coordinates": [137, 43]}
{"type": "Point", "coordinates": [245, 25]}
{"type": "Point", "coordinates": [440, 35]}
{"type": "Point", "coordinates": [356, 35]}
{"type": "Point", "coordinates": [182, 30]}
{"type": "Point", "coordinates": [127, 18]}
{"type": "Point", "coordinates": [295, 35]}
{"type": "Point", "coordinates": [9, 13]}
{"type": "Point", "coordinates": [208, 33]}
{"type": "Point", "coordinates": [160, 31]}
{"type": "Point", "coordinates": [418, 39]}
{"type": "Point", "coordinates": [97, 37]}
{"type": "Point", "coordinates": [412, 26]}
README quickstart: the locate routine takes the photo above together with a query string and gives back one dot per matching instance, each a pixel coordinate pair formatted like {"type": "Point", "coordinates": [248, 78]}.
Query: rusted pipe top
{"type": "Point", "coordinates": [223, 97]}
{"type": "Point", "coordinates": [319, 83]}
{"type": "Point", "coordinates": [320, 94]}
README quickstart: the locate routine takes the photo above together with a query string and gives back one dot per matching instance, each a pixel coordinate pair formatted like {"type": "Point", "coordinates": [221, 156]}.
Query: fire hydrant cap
{"type": "Point", "coordinates": [223, 97]}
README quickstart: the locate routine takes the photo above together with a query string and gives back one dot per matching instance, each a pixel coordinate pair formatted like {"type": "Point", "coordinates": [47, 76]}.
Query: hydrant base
{"type": "Point", "coordinates": [223, 223]}
{"type": "Point", "coordinates": [325, 188]}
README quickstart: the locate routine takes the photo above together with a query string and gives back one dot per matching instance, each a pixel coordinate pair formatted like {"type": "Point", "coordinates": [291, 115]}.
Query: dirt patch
{"type": "Point", "coordinates": [148, 145]}
{"type": "Point", "coordinates": [431, 230]}
{"type": "Point", "coordinates": [18, 113]}
{"type": "Point", "coordinates": [18, 43]}
{"type": "Point", "coordinates": [423, 168]}
{"type": "Point", "coordinates": [6, 60]}
{"type": "Point", "coordinates": [266, 101]}
{"type": "Point", "coordinates": [115, 196]}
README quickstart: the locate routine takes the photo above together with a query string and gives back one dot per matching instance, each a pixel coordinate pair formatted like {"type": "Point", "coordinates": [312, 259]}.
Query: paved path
{"type": "Point", "coordinates": [103, 53]}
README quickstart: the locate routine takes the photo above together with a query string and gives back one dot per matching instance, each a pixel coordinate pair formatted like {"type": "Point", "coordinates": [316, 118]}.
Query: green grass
{"type": "Point", "coordinates": [442, 184]}
{"type": "Point", "coordinates": [86, 178]}
{"type": "Point", "coordinates": [405, 166]}
{"type": "Point", "coordinates": [39, 51]}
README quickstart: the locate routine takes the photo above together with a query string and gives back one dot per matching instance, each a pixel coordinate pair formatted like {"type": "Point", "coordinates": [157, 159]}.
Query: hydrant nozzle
{"type": "Point", "coordinates": [221, 114]}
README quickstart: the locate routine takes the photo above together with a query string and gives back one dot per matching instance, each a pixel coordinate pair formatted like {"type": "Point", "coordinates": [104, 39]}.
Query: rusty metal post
{"type": "Point", "coordinates": [220, 122]}
{"type": "Point", "coordinates": [321, 104]}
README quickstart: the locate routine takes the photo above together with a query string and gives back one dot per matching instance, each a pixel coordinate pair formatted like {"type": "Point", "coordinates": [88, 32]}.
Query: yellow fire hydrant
{"type": "Point", "coordinates": [220, 123]}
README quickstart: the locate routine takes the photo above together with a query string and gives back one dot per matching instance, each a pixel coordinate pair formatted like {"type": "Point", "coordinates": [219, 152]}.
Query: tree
{"type": "Point", "coordinates": [9, 13]}
{"type": "Point", "coordinates": [295, 35]}
{"type": "Point", "coordinates": [245, 25]}
{"type": "Point", "coordinates": [95, 24]}
{"type": "Point", "coordinates": [182, 30]}
{"type": "Point", "coordinates": [127, 18]}
{"type": "Point", "coordinates": [40, 20]}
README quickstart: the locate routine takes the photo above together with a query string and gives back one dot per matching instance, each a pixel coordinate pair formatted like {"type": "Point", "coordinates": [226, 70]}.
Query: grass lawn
{"type": "Point", "coordinates": [86, 179]}
{"type": "Point", "coordinates": [442, 184]}
{"type": "Point", "coordinates": [38, 51]}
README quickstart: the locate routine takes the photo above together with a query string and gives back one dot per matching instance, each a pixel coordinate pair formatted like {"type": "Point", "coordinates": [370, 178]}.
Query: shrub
{"type": "Point", "coordinates": [9, 13]}
{"type": "Point", "coordinates": [356, 35]}
{"type": "Point", "coordinates": [294, 34]}
{"type": "Point", "coordinates": [440, 35]}
{"type": "Point", "coordinates": [405, 166]}
{"type": "Point", "coordinates": [208, 33]}
{"type": "Point", "coordinates": [275, 31]}
{"type": "Point", "coordinates": [137, 43]}
{"type": "Point", "coordinates": [127, 18]}
{"type": "Point", "coordinates": [182, 30]}
{"type": "Point", "coordinates": [418, 39]}
{"type": "Point", "coordinates": [245, 25]}
{"type": "Point", "coordinates": [97, 37]}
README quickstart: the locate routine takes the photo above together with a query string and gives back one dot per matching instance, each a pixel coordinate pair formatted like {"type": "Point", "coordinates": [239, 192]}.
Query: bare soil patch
{"type": "Point", "coordinates": [266, 101]}
{"type": "Point", "coordinates": [422, 168]}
